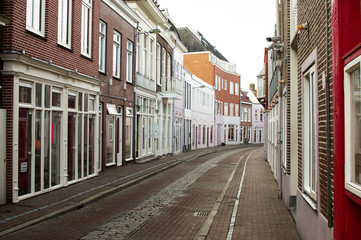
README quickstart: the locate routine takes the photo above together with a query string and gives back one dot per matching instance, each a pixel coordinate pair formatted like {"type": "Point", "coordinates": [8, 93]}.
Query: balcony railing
{"type": "Point", "coordinates": [171, 87]}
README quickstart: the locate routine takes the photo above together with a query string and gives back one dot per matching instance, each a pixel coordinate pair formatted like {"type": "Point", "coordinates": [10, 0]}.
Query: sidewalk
{"type": "Point", "coordinates": [14, 217]}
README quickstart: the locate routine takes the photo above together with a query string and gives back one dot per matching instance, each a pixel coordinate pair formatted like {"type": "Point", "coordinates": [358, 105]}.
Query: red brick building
{"type": "Point", "coordinates": [50, 91]}
{"type": "Point", "coordinates": [116, 67]}
{"type": "Point", "coordinates": [204, 61]}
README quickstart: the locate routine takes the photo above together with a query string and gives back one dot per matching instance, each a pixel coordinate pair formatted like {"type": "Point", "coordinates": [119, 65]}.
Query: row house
{"type": "Point", "coordinates": [117, 28]}
{"type": "Point", "coordinates": [204, 61]}
{"type": "Point", "coordinates": [51, 93]}
{"type": "Point", "coordinates": [245, 118]}
{"type": "Point", "coordinates": [257, 117]}
{"type": "Point", "coordinates": [202, 112]}
{"type": "Point", "coordinates": [156, 88]}
{"type": "Point", "coordinates": [299, 115]}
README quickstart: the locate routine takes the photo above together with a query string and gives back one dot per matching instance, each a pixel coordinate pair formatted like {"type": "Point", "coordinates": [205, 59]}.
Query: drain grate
{"type": "Point", "coordinates": [200, 214]}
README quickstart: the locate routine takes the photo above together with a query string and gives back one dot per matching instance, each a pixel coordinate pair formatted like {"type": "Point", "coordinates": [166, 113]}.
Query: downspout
{"type": "Point", "coordinates": [328, 127]}
{"type": "Point", "coordinates": [135, 94]}
{"type": "Point", "coordinates": [173, 117]}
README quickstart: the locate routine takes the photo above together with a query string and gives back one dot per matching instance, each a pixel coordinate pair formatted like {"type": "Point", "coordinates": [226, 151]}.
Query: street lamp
{"type": "Point", "coordinates": [152, 31]}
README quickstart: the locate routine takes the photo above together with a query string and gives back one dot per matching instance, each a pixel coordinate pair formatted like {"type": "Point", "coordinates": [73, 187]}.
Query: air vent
{"type": "Point", "coordinates": [200, 214]}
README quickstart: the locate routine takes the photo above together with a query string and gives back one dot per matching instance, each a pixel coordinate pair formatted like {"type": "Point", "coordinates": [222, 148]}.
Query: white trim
{"type": "Point", "coordinates": [350, 148]}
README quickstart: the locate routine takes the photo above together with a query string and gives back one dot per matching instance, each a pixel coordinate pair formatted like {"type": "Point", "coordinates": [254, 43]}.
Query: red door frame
{"type": "Point", "coordinates": [346, 35]}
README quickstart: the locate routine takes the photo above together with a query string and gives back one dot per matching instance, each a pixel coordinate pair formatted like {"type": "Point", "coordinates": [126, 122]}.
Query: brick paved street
{"type": "Point", "coordinates": [195, 199]}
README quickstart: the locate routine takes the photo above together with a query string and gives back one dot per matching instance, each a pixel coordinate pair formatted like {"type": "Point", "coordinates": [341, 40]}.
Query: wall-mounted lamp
{"type": "Point", "coordinates": [303, 26]}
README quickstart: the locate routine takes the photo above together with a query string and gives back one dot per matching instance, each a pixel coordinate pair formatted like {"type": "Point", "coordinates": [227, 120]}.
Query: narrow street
{"type": "Point", "coordinates": [224, 195]}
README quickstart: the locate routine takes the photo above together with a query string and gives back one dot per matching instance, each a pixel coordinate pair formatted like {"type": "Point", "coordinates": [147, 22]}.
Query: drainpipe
{"type": "Point", "coordinates": [328, 125]}
{"type": "Point", "coordinates": [135, 95]}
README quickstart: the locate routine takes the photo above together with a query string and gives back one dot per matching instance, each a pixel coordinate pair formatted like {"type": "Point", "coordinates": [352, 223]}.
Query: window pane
{"type": "Point", "coordinates": [71, 100]}
{"type": "Point", "coordinates": [56, 98]}
{"type": "Point", "coordinates": [37, 151]}
{"type": "Point", "coordinates": [47, 96]}
{"type": "Point", "coordinates": [24, 167]}
{"type": "Point", "coordinates": [38, 95]}
{"type": "Point", "coordinates": [357, 108]}
{"type": "Point", "coordinates": [25, 92]}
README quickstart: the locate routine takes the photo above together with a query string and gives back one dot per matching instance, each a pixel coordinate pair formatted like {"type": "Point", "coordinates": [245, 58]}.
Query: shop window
{"type": "Point", "coordinates": [352, 87]}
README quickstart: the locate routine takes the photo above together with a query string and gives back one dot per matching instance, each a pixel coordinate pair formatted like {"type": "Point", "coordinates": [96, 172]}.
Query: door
{"type": "Point", "coordinates": [2, 157]}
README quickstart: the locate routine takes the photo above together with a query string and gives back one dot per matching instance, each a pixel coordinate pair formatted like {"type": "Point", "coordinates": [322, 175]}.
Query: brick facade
{"type": "Point", "coordinates": [313, 12]}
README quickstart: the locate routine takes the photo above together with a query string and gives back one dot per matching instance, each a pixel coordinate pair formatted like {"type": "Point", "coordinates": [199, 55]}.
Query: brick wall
{"type": "Point", "coordinates": [199, 65]}
{"type": "Point", "coordinates": [7, 103]}
{"type": "Point", "coordinates": [313, 12]}
{"type": "Point", "coordinates": [17, 38]}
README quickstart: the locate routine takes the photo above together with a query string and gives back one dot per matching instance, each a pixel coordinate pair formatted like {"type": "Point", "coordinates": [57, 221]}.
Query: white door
{"type": "Point", "coordinates": [2, 157]}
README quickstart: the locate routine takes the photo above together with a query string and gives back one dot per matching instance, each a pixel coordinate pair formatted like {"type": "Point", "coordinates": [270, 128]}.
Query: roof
{"type": "Point", "coordinates": [195, 42]}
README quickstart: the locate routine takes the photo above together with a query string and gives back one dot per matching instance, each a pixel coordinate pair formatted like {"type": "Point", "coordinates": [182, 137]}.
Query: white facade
{"type": "Point", "coordinates": [257, 131]}
{"type": "Point", "coordinates": [202, 112]}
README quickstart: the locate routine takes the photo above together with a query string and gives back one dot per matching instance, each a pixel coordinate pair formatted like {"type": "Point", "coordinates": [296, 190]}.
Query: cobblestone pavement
{"type": "Point", "coordinates": [201, 198]}
{"type": "Point", "coordinates": [122, 226]}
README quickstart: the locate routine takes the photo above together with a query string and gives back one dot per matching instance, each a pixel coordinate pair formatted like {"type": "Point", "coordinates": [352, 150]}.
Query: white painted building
{"type": "Point", "coordinates": [201, 113]}
{"type": "Point", "coordinates": [257, 131]}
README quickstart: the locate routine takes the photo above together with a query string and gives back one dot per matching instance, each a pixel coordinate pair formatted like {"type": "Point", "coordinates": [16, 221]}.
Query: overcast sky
{"type": "Point", "coordinates": [237, 28]}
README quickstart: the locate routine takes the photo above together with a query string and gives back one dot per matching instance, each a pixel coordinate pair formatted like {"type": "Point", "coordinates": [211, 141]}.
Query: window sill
{"type": "Point", "coordinates": [37, 35]}
{"type": "Point", "coordinates": [310, 201]}
{"type": "Point", "coordinates": [110, 164]}
{"type": "Point", "coordinates": [86, 57]}
{"type": "Point", "coordinates": [353, 197]}
{"type": "Point", "coordinates": [353, 191]}
{"type": "Point", "coordinates": [65, 48]}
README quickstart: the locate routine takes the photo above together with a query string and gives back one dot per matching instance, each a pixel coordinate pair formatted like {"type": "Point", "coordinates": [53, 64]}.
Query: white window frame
{"type": "Point", "coordinates": [35, 17]}
{"type": "Point", "coordinates": [86, 27]}
{"type": "Point", "coordinates": [102, 45]}
{"type": "Point", "coordinates": [145, 55]}
{"type": "Point", "coordinates": [310, 129]}
{"type": "Point", "coordinates": [231, 87]}
{"type": "Point", "coordinates": [152, 60]}
{"type": "Point", "coordinates": [350, 128]}
{"type": "Point", "coordinates": [231, 109]}
{"type": "Point", "coordinates": [226, 109]}
{"type": "Point", "coordinates": [236, 89]}
{"type": "Point", "coordinates": [129, 61]}
{"type": "Point", "coordinates": [64, 23]}
{"type": "Point", "coordinates": [236, 110]}
{"type": "Point", "coordinates": [117, 42]}
{"type": "Point", "coordinates": [158, 64]}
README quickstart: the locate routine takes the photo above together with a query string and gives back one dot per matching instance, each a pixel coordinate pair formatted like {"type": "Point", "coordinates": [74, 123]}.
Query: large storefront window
{"type": "Point", "coordinates": [41, 125]}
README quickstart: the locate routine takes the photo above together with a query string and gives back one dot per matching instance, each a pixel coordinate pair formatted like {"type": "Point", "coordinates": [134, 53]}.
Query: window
{"type": "Point", "coordinates": [231, 109]}
{"type": "Point", "coordinates": [102, 44]}
{"type": "Point", "coordinates": [35, 16]}
{"type": "Point", "coordinates": [151, 70]}
{"type": "Point", "coordinates": [309, 132]}
{"type": "Point", "coordinates": [256, 115]}
{"type": "Point", "coordinates": [236, 110]}
{"type": "Point", "coordinates": [226, 109]}
{"type": "Point", "coordinates": [158, 64]}
{"type": "Point", "coordinates": [25, 92]}
{"type": "Point", "coordinates": [86, 27]}
{"type": "Point", "coordinates": [164, 54]}
{"type": "Point", "coordinates": [352, 86]}
{"type": "Point", "coordinates": [145, 55]}
{"type": "Point", "coordinates": [236, 92]}
{"type": "Point", "coordinates": [231, 87]}
{"type": "Point", "coordinates": [116, 54]}
{"type": "Point", "coordinates": [225, 84]}
{"type": "Point", "coordinates": [64, 22]}
{"type": "Point", "coordinates": [129, 61]}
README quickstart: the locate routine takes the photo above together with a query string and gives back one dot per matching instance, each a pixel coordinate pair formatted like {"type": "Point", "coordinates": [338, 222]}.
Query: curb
{"type": "Point", "coordinates": [88, 201]}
